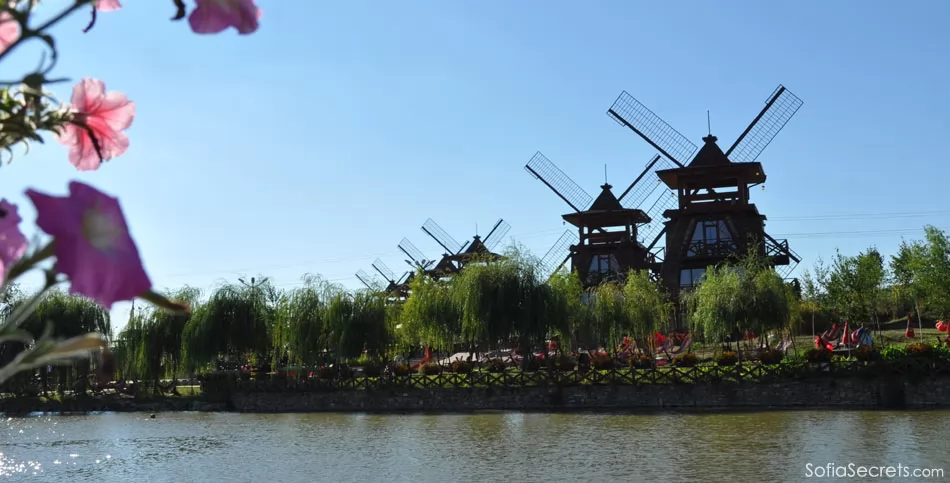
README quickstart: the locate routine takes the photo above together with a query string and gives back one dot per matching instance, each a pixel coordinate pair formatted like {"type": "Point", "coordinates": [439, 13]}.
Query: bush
{"type": "Point", "coordinates": [642, 362]}
{"type": "Point", "coordinates": [688, 359]}
{"type": "Point", "coordinates": [894, 352]}
{"type": "Point", "coordinates": [920, 350]}
{"type": "Point", "coordinates": [461, 367]}
{"type": "Point", "coordinates": [326, 372]}
{"type": "Point", "coordinates": [602, 362]}
{"type": "Point", "coordinates": [401, 370]}
{"type": "Point", "coordinates": [372, 369]}
{"type": "Point", "coordinates": [818, 355]}
{"type": "Point", "coordinates": [866, 354]}
{"type": "Point", "coordinates": [497, 365]}
{"type": "Point", "coordinates": [771, 356]}
{"type": "Point", "coordinates": [565, 363]}
{"type": "Point", "coordinates": [727, 358]}
{"type": "Point", "coordinates": [534, 364]}
{"type": "Point", "coordinates": [430, 369]}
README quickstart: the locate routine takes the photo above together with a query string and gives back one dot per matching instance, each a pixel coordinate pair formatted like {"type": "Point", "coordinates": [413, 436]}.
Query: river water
{"type": "Point", "coordinates": [490, 447]}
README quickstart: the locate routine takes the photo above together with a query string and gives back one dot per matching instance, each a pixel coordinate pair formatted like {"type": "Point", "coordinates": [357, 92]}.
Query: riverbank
{"type": "Point", "coordinates": [106, 403]}
{"type": "Point", "coordinates": [840, 393]}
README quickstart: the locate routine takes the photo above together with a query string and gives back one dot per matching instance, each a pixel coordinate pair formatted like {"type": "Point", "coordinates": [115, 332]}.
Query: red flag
{"type": "Point", "coordinates": [909, 333]}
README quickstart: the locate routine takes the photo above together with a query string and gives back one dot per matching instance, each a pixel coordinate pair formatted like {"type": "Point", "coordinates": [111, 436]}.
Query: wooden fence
{"type": "Point", "coordinates": [701, 374]}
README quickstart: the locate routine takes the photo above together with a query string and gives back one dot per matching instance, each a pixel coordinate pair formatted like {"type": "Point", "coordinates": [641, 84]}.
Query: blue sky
{"type": "Point", "coordinates": [317, 143]}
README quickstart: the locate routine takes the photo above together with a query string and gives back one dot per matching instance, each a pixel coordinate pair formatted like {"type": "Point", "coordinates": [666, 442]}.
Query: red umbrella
{"type": "Point", "coordinates": [909, 333]}
{"type": "Point", "coordinates": [943, 326]}
{"type": "Point", "coordinates": [846, 337]}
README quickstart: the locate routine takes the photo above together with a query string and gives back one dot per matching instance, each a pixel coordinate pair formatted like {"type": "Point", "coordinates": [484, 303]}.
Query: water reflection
{"type": "Point", "coordinates": [772, 446]}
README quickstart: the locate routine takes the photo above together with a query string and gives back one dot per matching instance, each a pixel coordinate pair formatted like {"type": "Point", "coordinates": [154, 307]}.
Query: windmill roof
{"type": "Point", "coordinates": [711, 168]}
{"type": "Point", "coordinates": [606, 211]}
{"type": "Point", "coordinates": [710, 154]}
{"type": "Point", "coordinates": [606, 201]}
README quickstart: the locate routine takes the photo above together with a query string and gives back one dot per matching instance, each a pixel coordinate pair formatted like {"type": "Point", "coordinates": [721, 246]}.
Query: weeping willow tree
{"type": "Point", "coordinates": [299, 332]}
{"type": "Point", "coordinates": [149, 348]}
{"type": "Point", "coordinates": [234, 325]}
{"type": "Point", "coordinates": [647, 306]}
{"type": "Point", "coordinates": [429, 317]}
{"type": "Point", "coordinates": [73, 316]}
{"type": "Point", "coordinates": [367, 329]}
{"type": "Point", "coordinates": [489, 297]}
{"type": "Point", "coordinates": [610, 320]}
{"type": "Point", "coordinates": [565, 311]}
{"type": "Point", "coordinates": [748, 296]}
{"type": "Point", "coordinates": [718, 304]}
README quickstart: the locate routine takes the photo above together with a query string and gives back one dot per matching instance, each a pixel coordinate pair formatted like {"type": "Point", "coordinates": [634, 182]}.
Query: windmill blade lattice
{"type": "Point", "coordinates": [415, 255]}
{"type": "Point", "coordinates": [666, 201]}
{"type": "Point", "coordinates": [779, 108]}
{"type": "Point", "coordinates": [383, 270]}
{"type": "Point", "coordinates": [441, 236]}
{"type": "Point", "coordinates": [366, 279]}
{"type": "Point", "coordinates": [496, 234]}
{"type": "Point", "coordinates": [557, 254]}
{"type": "Point", "coordinates": [646, 184]}
{"type": "Point", "coordinates": [542, 168]}
{"type": "Point", "coordinates": [628, 111]}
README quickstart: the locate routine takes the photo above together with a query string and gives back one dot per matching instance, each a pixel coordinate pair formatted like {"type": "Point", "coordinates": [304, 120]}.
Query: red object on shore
{"type": "Point", "coordinates": [659, 338]}
{"type": "Point", "coordinates": [943, 326]}
{"type": "Point", "coordinates": [749, 335]}
{"type": "Point", "coordinates": [427, 355]}
{"type": "Point", "coordinates": [822, 343]}
{"type": "Point", "coordinates": [909, 333]}
{"type": "Point", "coordinates": [846, 337]}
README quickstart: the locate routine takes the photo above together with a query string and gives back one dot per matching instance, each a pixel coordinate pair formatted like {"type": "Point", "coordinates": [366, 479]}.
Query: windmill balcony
{"type": "Point", "coordinates": [711, 249]}
{"type": "Point", "coordinates": [608, 237]}
{"type": "Point", "coordinates": [778, 251]}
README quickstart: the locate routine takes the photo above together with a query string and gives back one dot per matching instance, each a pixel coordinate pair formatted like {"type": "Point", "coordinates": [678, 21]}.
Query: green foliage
{"type": "Point", "coordinates": [735, 298]}
{"type": "Point", "coordinates": [866, 354]}
{"type": "Point", "coordinates": [688, 359]}
{"type": "Point", "coordinates": [727, 358]}
{"type": "Point", "coordinates": [816, 355]}
{"type": "Point", "coordinates": [461, 367]}
{"type": "Point", "coordinates": [771, 356]}
{"type": "Point", "coordinates": [894, 352]}
{"type": "Point", "coordinates": [647, 306]}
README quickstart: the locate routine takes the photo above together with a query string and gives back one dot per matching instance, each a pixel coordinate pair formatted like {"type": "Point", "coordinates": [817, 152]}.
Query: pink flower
{"type": "Point", "coordinates": [106, 114]}
{"type": "Point", "coordinates": [92, 244]}
{"type": "Point", "coordinates": [12, 242]}
{"type": "Point", "coordinates": [214, 16]}
{"type": "Point", "coordinates": [9, 31]}
{"type": "Point", "coordinates": [107, 5]}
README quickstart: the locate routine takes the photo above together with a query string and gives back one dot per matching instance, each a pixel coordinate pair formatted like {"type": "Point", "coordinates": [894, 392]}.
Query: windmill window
{"type": "Point", "coordinates": [690, 277]}
{"type": "Point", "coordinates": [708, 232]}
{"type": "Point", "coordinates": [604, 264]}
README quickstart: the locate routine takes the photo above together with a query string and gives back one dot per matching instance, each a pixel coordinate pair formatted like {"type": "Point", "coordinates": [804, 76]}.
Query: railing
{"type": "Point", "coordinates": [718, 249]}
{"type": "Point", "coordinates": [778, 248]}
{"type": "Point", "coordinates": [745, 372]}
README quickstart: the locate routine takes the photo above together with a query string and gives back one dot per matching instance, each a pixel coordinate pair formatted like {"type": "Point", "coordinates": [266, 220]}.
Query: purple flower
{"type": "Point", "coordinates": [92, 244]}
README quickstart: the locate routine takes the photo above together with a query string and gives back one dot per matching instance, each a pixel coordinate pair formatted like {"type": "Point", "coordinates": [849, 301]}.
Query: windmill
{"type": "Point", "coordinates": [397, 287]}
{"type": "Point", "coordinates": [606, 244]}
{"type": "Point", "coordinates": [368, 280]}
{"type": "Point", "coordinates": [457, 255]}
{"type": "Point", "coordinates": [709, 218]}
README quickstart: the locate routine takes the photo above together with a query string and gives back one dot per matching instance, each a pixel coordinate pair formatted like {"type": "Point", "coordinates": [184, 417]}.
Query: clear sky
{"type": "Point", "coordinates": [317, 143]}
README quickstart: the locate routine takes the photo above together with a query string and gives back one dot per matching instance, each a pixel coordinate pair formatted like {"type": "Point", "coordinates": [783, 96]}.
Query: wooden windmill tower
{"type": "Point", "coordinates": [606, 244]}
{"type": "Point", "coordinates": [396, 287]}
{"type": "Point", "coordinates": [714, 220]}
{"type": "Point", "coordinates": [458, 255]}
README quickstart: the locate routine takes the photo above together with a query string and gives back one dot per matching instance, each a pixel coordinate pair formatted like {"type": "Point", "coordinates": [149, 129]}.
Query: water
{"type": "Point", "coordinates": [181, 447]}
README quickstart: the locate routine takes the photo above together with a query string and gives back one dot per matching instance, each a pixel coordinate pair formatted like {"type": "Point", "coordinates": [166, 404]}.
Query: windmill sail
{"type": "Point", "coordinates": [561, 184]}
{"type": "Point", "coordinates": [779, 108]}
{"type": "Point", "coordinates": [629, 112]}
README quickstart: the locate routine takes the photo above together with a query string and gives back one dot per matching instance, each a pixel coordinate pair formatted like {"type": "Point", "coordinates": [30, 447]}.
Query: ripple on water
{"type": "Point", "coordinates": [771, 446]}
